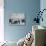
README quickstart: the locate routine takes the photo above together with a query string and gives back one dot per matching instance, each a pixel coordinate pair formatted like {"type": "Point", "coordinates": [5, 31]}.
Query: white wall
{"type": "Point", "coordinates": [1, 21]}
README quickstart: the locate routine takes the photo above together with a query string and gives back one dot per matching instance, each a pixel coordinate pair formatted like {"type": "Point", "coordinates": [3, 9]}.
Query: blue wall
{"type": "Point", "coordinates": [43, 6]}
{"type": "Point", "coordinates": [28, 7]}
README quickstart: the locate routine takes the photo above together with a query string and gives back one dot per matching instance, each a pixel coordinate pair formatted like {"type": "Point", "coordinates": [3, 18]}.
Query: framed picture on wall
{"type": "Point", "coordinates": [17, 19]}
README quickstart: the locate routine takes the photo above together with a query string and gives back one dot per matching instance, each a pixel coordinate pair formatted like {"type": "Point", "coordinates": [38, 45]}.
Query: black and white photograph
{"type": "Point", "coordinates": [17, 19]}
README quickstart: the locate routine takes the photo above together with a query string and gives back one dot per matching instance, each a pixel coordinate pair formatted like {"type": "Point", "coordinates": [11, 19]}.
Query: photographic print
{"type": "Point", "coordinates": [17, 19]}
